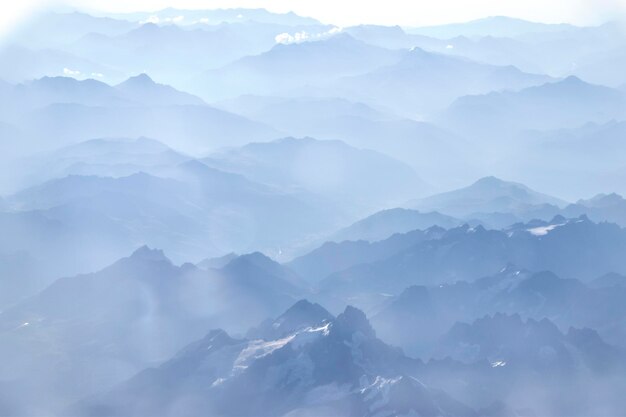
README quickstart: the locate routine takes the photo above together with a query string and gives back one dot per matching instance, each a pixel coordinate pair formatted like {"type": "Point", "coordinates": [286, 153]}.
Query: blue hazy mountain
{"type": "Point", "coordinates": [119, 157]}
{"type": "Point", "coordinates": [336, 256]}
{"type": "Point", "coordinates": [349, 371]}
{"type": "Point", "coordinates": [468, 253]}
{"type": "Point", "coordinates": [501, 26]}
{"type": "Point", "coordinates": [217, 16]}
{"type": "Point", "coordinates": [198, 210]}
{"type": "Point", "coordinates": [276, 158]}
{"type": "Point", "coordinates": [54, 29]}
{"type": "Point", "coordinates": [422, 83]}
{"type": "Point", "coordinates": [602, 207]}
{"type": "Point", "coordinates": [97, 329]}
{"type": "Point", "coordinates": [70, 111]}
{"type": "Point", "coordinates": [532, 352]}
{"type": "Point", "coordinates": [350, 176]}
{"type": "Point", "coordinates": [192, 48]}
{"type": "Point", "coordinates": [567, 302]}
{"type": "Point", "coordinates": [587, 154]}
{"type": "Point", "coordinates": [383, 224]}
{"type": "Point", "coordinates": [570, 102]}
{"type": "Point", "coordinates": [410, 141]}
{"type": "Point", "coordinates": [491, 195]}
{"type": "Point", "coordinates": [287, 68]}
{"type": "Point", "coordinates": [28, 64]}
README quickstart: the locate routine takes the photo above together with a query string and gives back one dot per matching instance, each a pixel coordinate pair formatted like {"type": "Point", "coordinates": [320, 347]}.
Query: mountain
{"type": "Point", "coordinates": [413, 142]}
{"type": "Point", "coordinates": [53, 29]}
{"type": "Point", "coordinates": [285, 68]}
{"type": "Point", "coordinates": [334, 366]}
{"type": "Point", "coordinates": [587, 155]}
{"type": "Point", "coordinates": [509, 341]}
{"type": "Point", "coordinates": [392, 37]}
{"type": "Point", "coordinates": [193, 47]}
{"type": "Point", "coordinates": [351, 177]}
{"type": "Point", "coordinates": [383, 224]}
{"type": "Point", "coordinates": [423, 83]}
{"type": "Point", "coordinates": [500, 26]}
{"type": "Point", "coordinates": [217, 262]}
{"type": "Point", "coordinates": [602, 207]}
{"type": "Point", "coordinates": [109, 157]}
{"type": "Point", "coordinates": [533, 353]}
{"type": "Point", "coordinates": [570, 102]}
{"type": "Point", "coordinates": [513, 291]}
{"type": "Point", "coordinates": [142, 89]}
{"type": "Point", "coordinates": [193, 129]}
{"type": "Point", "coordinates": [57, 111]}
{"type": "Point", "coordinates": [336, 256]}
{"type": "Point", "coordinates": [192, 211]}
{"type": "Point", "coordinates": [32, 63]}
{"type": "Point", "coordinates": [491, 195]}
{"type": "Point", "coordinates": [575, 248]}
{"type": "Point", "coordinates": [97, 329]}
{"type": "Point", "coordinates": [608, 281]}
{"type": "Point", "coordinates": [217, 16]}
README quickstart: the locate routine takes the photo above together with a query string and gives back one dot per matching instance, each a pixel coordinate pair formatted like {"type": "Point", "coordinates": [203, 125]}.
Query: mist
{"type": "Point", "coordinates": [297, 209]}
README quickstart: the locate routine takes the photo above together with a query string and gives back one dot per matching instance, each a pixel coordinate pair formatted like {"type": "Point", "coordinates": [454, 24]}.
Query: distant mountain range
{"type": "Point", "coordinates": [332, 170]}
{"type": "Point", "coordinates": [499, 26]}
{"type": "Point", "coordinates": [69, 111]}
{"type": "Point", "coordinates": [96, 329]}
{"type": "Point", "coordinates": [491, 195]}
{"type": "Point", "coordinates": [385, 223]}
{"type": "Point", "coordinates": [313, 367]}
{"type": "Point", "coordinates": [467, 253]}
{"type": "Point", "coordinates": [554, 105]}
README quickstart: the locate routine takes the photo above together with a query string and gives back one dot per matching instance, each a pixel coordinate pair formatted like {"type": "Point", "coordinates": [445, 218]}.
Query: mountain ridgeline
{"type": "Point", "coordinates": [244, 213]}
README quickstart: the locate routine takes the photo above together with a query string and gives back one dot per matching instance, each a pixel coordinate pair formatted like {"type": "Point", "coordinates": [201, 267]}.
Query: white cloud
{"type": "Point", "coordinates": [152, 19]}
{"type": "Point", "coordinates": [156, 19]}
{"type": "Point", "coordinates": [298, 37]}
{"type": "Point", "coordinates": [70, 72]}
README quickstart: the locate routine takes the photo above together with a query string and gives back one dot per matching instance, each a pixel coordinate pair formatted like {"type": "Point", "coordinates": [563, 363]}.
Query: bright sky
{"type": "Point", "coordinates": [348, 12]}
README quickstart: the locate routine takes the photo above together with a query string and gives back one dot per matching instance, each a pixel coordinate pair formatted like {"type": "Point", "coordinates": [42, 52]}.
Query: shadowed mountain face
{"type": "Point", "coordinates": [489, 195]}
{"type": "Point", "coordinates": [330, 169]}
{"type": "Point", "coordinates": [194, 212]}
{"type": "Point", "coordinates": [330, 366]}
{"type": "Point", "coordinates": [302, 176]}
{"type": "Point", "coordinates": [576, 248]}
{"type": "Point", "coordinates": [569, 102]}
{"type": "Point", "coordinates": [97, 329]}
{"type": "Point", "coordinates": [56, 111]}
{"type": "Point", "coordinates": [422, 83]}
{"type": "Point", "coordinates": [385, 223]}
{"type": "Point", "coordinates": [288, 68]}
{"type": "Point", "coordinates": [567, 302]}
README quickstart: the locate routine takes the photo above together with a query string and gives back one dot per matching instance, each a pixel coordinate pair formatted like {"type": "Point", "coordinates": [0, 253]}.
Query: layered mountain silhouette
{"type": "Point", "coordinates": [97, 329]}
{"type": "Point", "coordinates": [320, 364]}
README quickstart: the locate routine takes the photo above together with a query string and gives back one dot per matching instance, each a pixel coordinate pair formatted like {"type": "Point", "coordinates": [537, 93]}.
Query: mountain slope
{"type": "Point", "coordinates": [94, 330]}
{"type": "Point", "coordinates": [335, 366]}
{"type": "Point", "coordinates": [285, 68]}
{"type": "Point", "coordinates": [350, 176]}
{"type": "Point", "coordinates": [489, 195]}
{"type": "Point", "coordinates": [570, 102]}
{"type": "Point", "coordinates": [423, 83]}
{"type": "Point", "coordinates": [383, 224]}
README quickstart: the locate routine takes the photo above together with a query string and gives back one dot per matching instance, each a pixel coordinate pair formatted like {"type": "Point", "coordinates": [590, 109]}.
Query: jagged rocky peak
{"type": "Point", "coordinates": [353, 320]}
{"type": "Point", "coordinates": [145, 253]}
{"type": "Point", "coordinates": [301, 315]}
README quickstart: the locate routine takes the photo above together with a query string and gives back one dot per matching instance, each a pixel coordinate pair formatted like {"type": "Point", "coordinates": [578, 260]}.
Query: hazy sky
{"type": "Point", "coordinates": [347, 12]}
